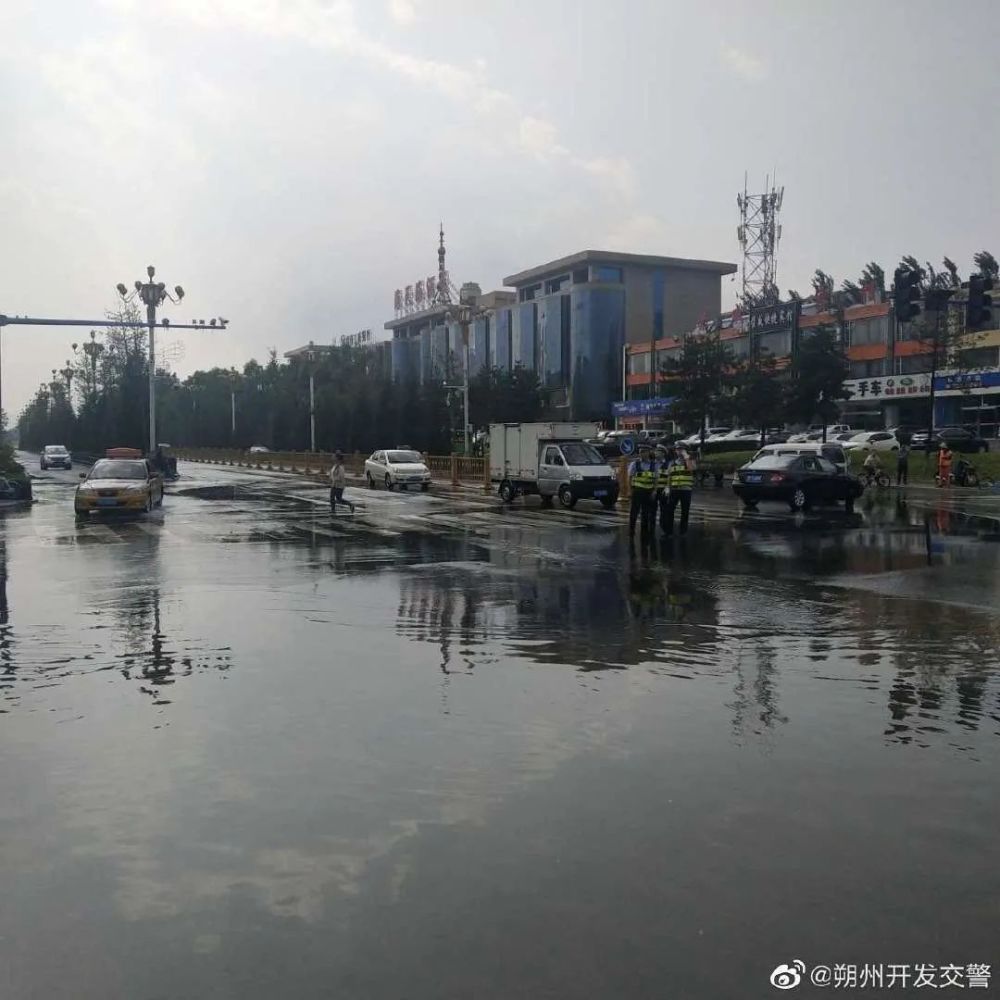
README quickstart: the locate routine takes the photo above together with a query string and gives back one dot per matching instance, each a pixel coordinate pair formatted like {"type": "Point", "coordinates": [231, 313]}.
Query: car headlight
{"type": "Point", "coordinates": [614, 475]}
{"type": "Point", "coordinates": [575, 477]}
{"type": "Point", "coordinates": [136, 489]}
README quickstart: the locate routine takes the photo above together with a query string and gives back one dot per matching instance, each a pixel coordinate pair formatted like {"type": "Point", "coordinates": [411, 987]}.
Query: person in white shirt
{"type": "Point", "coordinates": [338, 483]}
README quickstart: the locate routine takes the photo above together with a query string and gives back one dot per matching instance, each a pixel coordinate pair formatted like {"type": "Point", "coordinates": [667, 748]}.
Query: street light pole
{"type": "Point", "coordinates": [311, 362]}
{"type": "Point", "coordinates": [152, 293]}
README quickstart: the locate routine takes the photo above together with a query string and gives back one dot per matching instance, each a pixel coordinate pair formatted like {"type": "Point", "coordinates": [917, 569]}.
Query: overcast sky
{"type": "Point", "coordinates": [288, 161]}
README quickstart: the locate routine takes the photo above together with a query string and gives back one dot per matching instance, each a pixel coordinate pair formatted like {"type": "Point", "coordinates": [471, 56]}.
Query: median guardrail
{"type": "Point", "coordinates": [456, 468]}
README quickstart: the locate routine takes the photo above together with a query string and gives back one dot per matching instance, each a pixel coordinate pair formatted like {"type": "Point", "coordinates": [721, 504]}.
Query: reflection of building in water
{"type": "Point", "coordinates": [947, 672]}
{"type": "Point", "coordinates": [573, 599]}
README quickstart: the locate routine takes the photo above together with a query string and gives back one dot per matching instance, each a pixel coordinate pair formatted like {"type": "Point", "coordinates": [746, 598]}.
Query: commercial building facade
{"type": "Point", "coordinates": [890, 365]}
{"type": "Point", "coordinates": [570, 320]}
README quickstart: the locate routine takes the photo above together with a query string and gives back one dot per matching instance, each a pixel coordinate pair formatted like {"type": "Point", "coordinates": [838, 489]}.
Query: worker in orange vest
{"type": "Point", "coordinates": [944, 464]}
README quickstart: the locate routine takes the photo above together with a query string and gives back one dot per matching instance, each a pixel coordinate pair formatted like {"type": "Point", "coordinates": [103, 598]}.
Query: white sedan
{"type": "Point", "coordinates": [397, 467]}
{"type": "Point", "coordinates": [872, 441]}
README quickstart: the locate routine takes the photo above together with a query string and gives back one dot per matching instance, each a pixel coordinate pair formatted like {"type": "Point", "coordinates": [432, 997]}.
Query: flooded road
{"type": "Point", "coordinates": [441, 751]}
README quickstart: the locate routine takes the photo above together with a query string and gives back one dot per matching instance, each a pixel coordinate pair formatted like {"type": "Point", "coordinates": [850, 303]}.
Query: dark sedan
{"type": "Point", "coordinates": [957, 438]}
{"type": "Point", "coordinates": [801, 481]}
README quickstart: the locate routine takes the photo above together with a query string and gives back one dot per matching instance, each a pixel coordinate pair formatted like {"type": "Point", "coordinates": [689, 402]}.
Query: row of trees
{"type": "Point", "coordinates": [872, 278]}
{"type": "Point", "coordinates": [758, 394]}
{"type": "Point", "coordinates": [102, 399]}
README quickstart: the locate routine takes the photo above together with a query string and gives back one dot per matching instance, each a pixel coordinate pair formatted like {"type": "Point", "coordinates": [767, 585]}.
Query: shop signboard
{"type": "Point", "coordinates": [641, 407]}
{"type": "Point", "coordinates": [888, 386]}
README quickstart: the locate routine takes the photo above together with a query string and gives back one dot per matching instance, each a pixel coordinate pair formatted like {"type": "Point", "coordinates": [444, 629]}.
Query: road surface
{"type": "Point", "coordinates": [446, 749]}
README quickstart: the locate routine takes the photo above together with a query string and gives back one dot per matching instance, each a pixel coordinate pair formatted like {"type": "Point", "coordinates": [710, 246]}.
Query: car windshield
{"type": "Point", "coordinates": [581, 454]}
{"type": "Point", "coordinates": [55, 449]}
{"type": "Point", "coordinates": [781, 461]}
{"type": "Point", "coordinates": [404, 458]}
{"type": "Point", "coordinates": [862, 436]}
{"type": "Point", "coordinates": [118, 469]}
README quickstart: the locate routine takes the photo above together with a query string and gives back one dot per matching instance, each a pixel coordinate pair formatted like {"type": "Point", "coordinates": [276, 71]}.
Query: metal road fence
{"type": "Point", "coordinates": [454, 468]}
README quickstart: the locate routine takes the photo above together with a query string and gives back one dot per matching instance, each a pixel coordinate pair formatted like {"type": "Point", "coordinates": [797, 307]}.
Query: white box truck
{"type": "Point", "coordinates": [552, 460]}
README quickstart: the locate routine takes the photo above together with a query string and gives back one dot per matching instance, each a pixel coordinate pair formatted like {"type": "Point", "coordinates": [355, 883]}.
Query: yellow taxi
{"type": "Point", "coordinates": [119, 484]}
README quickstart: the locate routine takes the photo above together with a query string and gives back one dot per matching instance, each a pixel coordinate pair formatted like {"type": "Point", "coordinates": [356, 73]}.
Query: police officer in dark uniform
{"type": "Point", "coordinates": [642, 475]}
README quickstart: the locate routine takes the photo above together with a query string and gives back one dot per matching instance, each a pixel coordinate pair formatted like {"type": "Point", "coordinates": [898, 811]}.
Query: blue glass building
{"type": "Point", "coordinates": [569, 321]}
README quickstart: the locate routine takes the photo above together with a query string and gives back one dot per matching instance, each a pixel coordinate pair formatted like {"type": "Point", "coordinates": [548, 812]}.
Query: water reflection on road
{"type": "Point", "coordinates": [253, 751]}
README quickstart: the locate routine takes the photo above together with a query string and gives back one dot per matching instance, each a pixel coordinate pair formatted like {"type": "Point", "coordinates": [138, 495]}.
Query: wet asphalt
{"type": "Point", "coordinates": [443, 749]}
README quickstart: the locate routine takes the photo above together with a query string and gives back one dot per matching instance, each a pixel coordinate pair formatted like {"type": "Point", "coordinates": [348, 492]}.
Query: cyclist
{"type": "Point", "coordinates": [872, 467]}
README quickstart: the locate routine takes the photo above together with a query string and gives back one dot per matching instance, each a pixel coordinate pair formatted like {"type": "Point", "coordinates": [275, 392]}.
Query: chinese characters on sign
{"type": "Point", "coordinates": [891, 386]}
{"type": "Point", "coordinates": [360, 339]}
{"type": "Point", "coordinates": [882, 976]}
{"type": "Point", "coordinates": [777, 317]}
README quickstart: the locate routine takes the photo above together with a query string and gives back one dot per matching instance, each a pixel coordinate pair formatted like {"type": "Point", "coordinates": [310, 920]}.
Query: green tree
{"type": "Point", "coordinates": [699, 379]}
{"type": "Point", "coordinates": [816, 386]}
{"type": "Point", "coordinates": [875, 275]}
{"type": "Point", "coordinates": [756, 399]}
{"type": "Point", "coordinates": [986, 265]}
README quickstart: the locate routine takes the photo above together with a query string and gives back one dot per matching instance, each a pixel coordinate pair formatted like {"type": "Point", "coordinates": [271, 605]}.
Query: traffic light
{"type": "Point", "coordinates": [906, 293]}
{"type": "Point", "coordinates": [977, 308]}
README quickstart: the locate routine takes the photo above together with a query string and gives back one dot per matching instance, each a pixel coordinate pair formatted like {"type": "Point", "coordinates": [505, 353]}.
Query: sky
{"type": "Point", "coordinates": [288, 161]}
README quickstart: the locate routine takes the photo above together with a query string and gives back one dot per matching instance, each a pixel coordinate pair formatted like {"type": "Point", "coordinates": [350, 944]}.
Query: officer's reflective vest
{"type": "Point", "coordinates": [661, 477]}
{"type": "Point", "coordinates": [679, 477]}
{"type": "Point", "coordinates": [644, 477]}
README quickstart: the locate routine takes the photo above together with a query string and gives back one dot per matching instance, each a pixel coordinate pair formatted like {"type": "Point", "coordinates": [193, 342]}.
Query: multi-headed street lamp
{"type": "Point", "coordinates": [464, 314]}
{"type": "Point", "coordinates": [153, 294]}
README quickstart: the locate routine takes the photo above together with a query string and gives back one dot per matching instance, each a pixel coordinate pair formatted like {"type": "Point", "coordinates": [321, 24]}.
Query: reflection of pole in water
{"type": "Point", "coordinates": [6, 632]}
{"type": "Point", "coordinates": [4, 610]}
{"type": "Point", "coordinates": [161, 664]}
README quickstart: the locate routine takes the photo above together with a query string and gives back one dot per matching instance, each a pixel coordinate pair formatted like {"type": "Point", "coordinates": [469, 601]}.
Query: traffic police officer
{"type": "Point", "coordinates": [642, 477]}
{"type": "Point", "coordinates": [680, 483]}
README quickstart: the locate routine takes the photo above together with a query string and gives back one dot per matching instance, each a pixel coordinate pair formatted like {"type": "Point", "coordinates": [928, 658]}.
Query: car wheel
{"type": "Point", "coordinates": [849, 505]}
{"type": "Point", "coordinates": [749, 504]}
{"type": "Point", "coordinates": [608, 503]}
{"type": "Point", "coordinates": [371, 480]}
{"type": "Point", "coordinates": [388, 482]}
{"type": "Point", "coordinates": [424, 487]}
{"type": "Point", "coordinates": [566, 497]}
{"type": "Point", "coordinates": [506, 491]}
{"type": "Point", "coordinates": [800, 499]}
{"type": "Point", "coordinates": [149, 503]}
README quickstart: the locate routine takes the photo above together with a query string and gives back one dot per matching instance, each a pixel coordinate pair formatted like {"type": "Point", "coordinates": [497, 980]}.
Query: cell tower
{"type": "Point", "coordinates": [443, 280]}
{"type": "Point", "coordinates": [759, 233]}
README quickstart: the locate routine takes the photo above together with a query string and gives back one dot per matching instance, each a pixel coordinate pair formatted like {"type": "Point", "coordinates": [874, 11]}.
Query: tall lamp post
{"type": "Point", "coordinates": [153, 294]}
{"type": "Point", "coordinates": [464, 314]}
{"type": "Point", "coordinates": [311, 356]}
{"type": "Point", "coordinates": [93, 349]}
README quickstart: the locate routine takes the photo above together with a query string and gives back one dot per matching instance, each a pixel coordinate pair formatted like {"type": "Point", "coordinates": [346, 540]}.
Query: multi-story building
{"type": "Point", "coordinates": [570, 320]}
{"type": "Point", "coordinates": [890, 364]}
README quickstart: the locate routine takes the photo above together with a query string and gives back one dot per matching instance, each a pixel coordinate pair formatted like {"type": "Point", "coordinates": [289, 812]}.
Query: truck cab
{"type": "Point", "coordinates": [551, 460]}
{"type": "Point", "coordinates": [575, 470]}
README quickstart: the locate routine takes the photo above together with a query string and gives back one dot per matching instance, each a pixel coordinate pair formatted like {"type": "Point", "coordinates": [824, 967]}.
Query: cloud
{"type": "Point", "coordinates": [540, 138]}
{"type": "Point", "coordinates": [403, 12]}
{"type": "Point", "coordinates": [333, 26]}
{"type": "Point", "coordinates": [743, 63]}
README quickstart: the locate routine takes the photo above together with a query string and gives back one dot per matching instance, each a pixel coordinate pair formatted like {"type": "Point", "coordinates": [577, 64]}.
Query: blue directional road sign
{"type": "Point", "coordinates": [627, 445]}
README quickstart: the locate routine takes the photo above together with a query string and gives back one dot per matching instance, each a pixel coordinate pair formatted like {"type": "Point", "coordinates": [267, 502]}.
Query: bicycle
{"type": "Point", "coordinates": [880, 479]}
